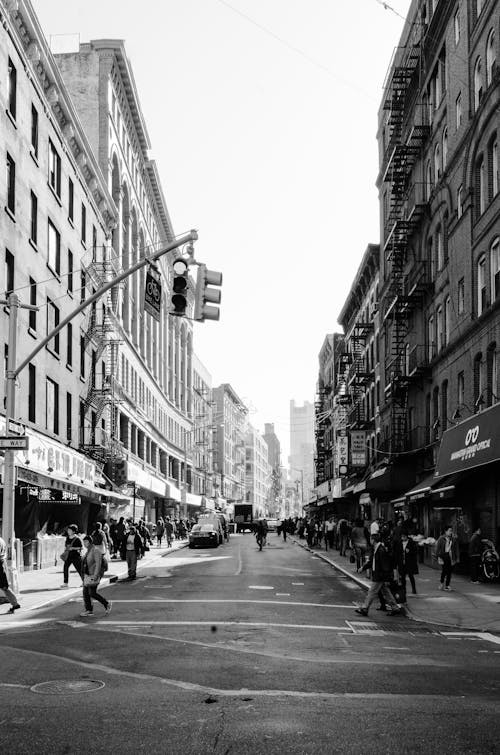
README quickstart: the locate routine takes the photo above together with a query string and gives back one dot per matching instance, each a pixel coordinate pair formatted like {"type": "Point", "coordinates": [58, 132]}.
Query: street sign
{"type": "Point", "coordinates": [152, 293]}
{"type": "Point", "coordinates": [16, 428]}
{"type": "Point", "coordinates": [19, 443]}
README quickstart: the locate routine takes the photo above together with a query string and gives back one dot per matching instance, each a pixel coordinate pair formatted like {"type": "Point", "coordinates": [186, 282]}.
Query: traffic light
{"type": "Point", "coordinates": [180, 286]}
{"type": "Point", "coordinates": [204, 294]}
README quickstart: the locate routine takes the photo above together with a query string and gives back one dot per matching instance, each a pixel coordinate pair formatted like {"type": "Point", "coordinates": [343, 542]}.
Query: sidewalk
{"type": "Point", "coordinates": [467, 606]}
{"type": "Point", "coordinates": [42, 587]}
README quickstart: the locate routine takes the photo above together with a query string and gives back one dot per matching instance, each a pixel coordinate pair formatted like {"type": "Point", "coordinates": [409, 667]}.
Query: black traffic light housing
{"type": "Point", "coordinates": [204, 293]}
{"type": "Point", "coordinates": [180, 287]}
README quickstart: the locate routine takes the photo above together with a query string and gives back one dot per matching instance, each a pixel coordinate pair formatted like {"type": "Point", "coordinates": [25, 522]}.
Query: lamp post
{"type": "Point", "coordinates": [10, 393]}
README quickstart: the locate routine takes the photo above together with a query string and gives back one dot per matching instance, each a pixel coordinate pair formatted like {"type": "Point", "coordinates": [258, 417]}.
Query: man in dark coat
{"type": "Point", "coordinates": [381, 574]}
{"type": "Point", "coordinates": [406, 560]}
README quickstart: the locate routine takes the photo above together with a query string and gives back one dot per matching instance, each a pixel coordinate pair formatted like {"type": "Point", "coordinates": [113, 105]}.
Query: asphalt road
{"type": "Point", "coordinates": [232, 650]}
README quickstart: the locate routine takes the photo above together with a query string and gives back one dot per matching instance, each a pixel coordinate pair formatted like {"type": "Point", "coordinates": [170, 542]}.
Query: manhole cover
{"type": "Point", "coordinates": [67, 687]}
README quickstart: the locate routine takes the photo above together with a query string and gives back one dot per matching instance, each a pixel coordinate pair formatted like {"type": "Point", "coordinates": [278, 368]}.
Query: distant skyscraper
{"type": "Point", "coordinates": [301, 459]}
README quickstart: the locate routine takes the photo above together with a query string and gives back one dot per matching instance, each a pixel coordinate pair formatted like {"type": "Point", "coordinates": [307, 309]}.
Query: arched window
{"type": "Point", "coordinates": [435, 413]}
{"type": "Point", "coordinates": [481, 285]}
{"type": "Point", "coordinates": [447, 318]}
{"type": "Point", "coordinates": [431, 338]}
{"type": "Point", "coordinates": [439, 248]}
{"type": "Point", "coordinates": [479, 386]}
{"type": "Point", "coordinates": [445, 147]}
{"type": "Point", "coordinates": [493, 181]}
{"type": "Point", "coordinates": [428, 180]}
{"type": "Point", "coordinates": [437, 163]}
{"type": "Point", "coordinates": [431, 259]}
{"type": "Point", "coordinates": [490, 57]}
{"type": "Point", "coordinates": [480, 186]}
{"type": "Point", "coordinates": [444, 405]}
{"type": "Point", "coordinates": [478, 83]}
{"type": "Point", "coordinates": [495, 269]}
{"type": "Point", "coordinates": [440, 327]}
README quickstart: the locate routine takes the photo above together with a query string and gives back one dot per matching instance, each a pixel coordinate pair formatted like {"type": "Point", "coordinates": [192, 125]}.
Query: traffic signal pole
{"type": "Point", "coordinates": [8, 532]}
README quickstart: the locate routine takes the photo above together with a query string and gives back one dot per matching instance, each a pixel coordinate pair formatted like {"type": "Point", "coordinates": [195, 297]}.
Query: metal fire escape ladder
{"type": "Point", "coordinates": [319, 411]}
{"type": "Point", "coordinates": [359, 375]}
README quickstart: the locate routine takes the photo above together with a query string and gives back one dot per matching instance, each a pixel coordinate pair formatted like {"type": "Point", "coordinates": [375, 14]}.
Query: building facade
{"type": "Point", "coordinates": [202, 445]}
{"type": "Point", "coordinates": [152, 393]}
{"type": "Point", "coordinates": [229, 451]}
{"type": "Point", "coordinates": [301, 459]}
{"type": "Point", "coordinates": [59, 218]}
{"type": "Point", "coordinates": [276, 488]}
{"type": "Point", "coordinates": [257, 471]}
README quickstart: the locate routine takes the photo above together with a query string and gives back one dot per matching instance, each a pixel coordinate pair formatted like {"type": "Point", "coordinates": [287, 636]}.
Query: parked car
{"type": "Point", "coordinates": [204, 534]}
{"type": "Point", "coordinates": [272, 525]}
{"type": "Point", "coordinates": [214, 519]}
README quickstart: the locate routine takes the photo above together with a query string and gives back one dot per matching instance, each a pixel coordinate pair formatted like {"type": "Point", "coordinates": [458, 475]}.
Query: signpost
{"type": "Point", "coordinates": [21, 443]}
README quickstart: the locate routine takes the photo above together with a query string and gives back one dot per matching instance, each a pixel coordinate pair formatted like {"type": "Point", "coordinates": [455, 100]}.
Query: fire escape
{"type": "Point", "coordinates": [320, 410]}
{"type": "Point", "coordinates": [359, 375]}
{"type": "Point", "coordinates": [100, 436]}
{"type": "Point", "coordinates": [405, 288]}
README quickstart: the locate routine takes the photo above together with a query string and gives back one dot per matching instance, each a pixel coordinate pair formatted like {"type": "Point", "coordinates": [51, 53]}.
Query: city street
{"type": "Point", "coordinates": [235, 650]}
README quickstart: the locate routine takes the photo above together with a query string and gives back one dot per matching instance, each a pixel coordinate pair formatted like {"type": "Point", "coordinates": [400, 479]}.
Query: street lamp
{"type": "Point", "coordinates": [12, 372]}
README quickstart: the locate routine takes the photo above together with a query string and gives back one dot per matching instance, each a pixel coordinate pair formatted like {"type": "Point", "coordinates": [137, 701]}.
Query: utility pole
{"type": "Point", "coordinates": [13, 372]}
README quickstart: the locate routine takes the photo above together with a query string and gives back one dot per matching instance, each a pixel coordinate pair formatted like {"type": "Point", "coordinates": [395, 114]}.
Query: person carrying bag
{"type": "Point", "coordinates": [92, 571]}
{"type": "Point", "coordinates": [72, 553]}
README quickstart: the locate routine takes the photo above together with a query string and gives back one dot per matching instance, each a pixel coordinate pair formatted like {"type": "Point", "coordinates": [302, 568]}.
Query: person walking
{"type": "Point", "coordinates": [160, 530]}
{"type": "Point", "coordinates": [406, 560]}
{"type": "Point", "coordinates": [93, 567]}
{"type": "Point", "coordinates": [4, 582]}
{"type": "Point", "coordinates": [475, 551]}
{"type": "Point", "coordinates": [131, 546]}
{"type": "Point", "coordinates": [330, 532]}
{"type": "Point", "coordinates": [381, 574]}
{"type": "Point", "coordinates": [343, 529]}
{"type": "Point", "coordinates": [447, 556]}
{"type": "Point", "coordinates": [359, 542]}
{"type": "Point", "coordinates": [72, 552]}
{"type": "Point", "coordinates": [169, 531]}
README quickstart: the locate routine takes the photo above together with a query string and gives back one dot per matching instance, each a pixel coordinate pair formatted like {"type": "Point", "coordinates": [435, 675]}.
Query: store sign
{"type": "Point", "coordinates": [471, 443]}
{"type": "Point", "coordinates": [152, 293]}
{"type": "Point", "coordinates": [358, 448]}
{"type": "Point", "coordinates": [342, 451]}
{"type": "Point", "coordinates": [60, 496]}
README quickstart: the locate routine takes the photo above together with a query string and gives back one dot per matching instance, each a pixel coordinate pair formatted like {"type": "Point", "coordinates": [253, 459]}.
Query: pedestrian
{"type": "Point", "coordinates": [72, 553]}
{"type": "Point", "coordinates": [360, 542]}
{"type": "Point", "coordinates": [169, 531]}
{"type": "Point", "coordinates": [113, 534]}
{"type": "Point", "coordinates": [160, 529]}
{"type": "Point", "coordinates": [131, 546]}
{"type": "Point", "coordinates": [375, 526]}
{"type": "Point", "coordinates": [475, 551]}
{"type": "Point", "coordinates": [447, 556]}
{"type": "Point", "coordinates": [381, 574]}
{"type": "Point", "coordinates": [406, 560]}
{"type": "Point", "coordinates": [310, 531]}
{"type": "Point", "coordinates": [343, 530]}
{"type": "Point", "coordinates": [93, 567]}
{"type": "Point", "coordinates": [120, 532]}
{"type": "Point", "coordinates": [4, 582]}
{"type": "Point", "coordinates": [330, 532]}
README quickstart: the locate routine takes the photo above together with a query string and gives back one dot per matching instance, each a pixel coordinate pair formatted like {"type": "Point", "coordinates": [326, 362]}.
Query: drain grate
{"type": "Point", "coordinates": [67, 687]}
{"type": "Point", "coordinates": [371, 627]}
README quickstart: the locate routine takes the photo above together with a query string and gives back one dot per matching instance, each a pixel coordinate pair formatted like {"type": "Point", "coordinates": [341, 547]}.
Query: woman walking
{"type": "Point", "coordinates": [447, 556]}
{"type": "Point", "coordinates": [360, 542]}
{"type": "Point", "coordinates": [73, 553]}
{"type": "Point", "coordinates": [160, 530]}
{"type": "Point", "coordinates": [92, 571]}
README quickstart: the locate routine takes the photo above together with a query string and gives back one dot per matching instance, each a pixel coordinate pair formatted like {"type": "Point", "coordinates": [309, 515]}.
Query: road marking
{"type": "Point", "coordinates": [217, 623]}
{"type": "Point", "coordinates": [298, 583]}
{"type": "Point", "coordinates": [240, 563]}
{"type": "Point", "coordinates": [234, 600]}
{"type": "Point", "coordinates": [284, 594]}
{"type": "Point", "coordinates": [260, 587]}
{"type": "Point", "coordinates": [472, 635]}
{"type": "Point", "coordinates": [23, 623]}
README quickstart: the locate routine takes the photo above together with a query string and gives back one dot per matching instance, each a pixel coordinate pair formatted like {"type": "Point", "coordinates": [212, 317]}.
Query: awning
{"type": "Point", "coordinates": [172, 492]}
{"type": "Point", "coordinates": [421, 490]}
{"type": "Point", "coordinates": [193, 500]}
{"type": "Point", "coordinates": [471, 443]}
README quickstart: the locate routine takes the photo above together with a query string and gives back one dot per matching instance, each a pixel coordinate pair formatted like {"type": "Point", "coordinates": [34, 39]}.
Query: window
{"type": "Point", "coordinates": [32, 312]}
{"type": "Point", "coordinates": [33, 218]}
{"type": "Point", "coordinates": [34, 130]}
{"type": "Point", "coordinates": [94, 243]}
{"type": "Point", "coordinates": [478, 83]}
{"type": "Point", "coordinates": [52, 406]}
{"type": "Point", "coordinates": [52, 323]}
{"type": "Point", "coordinates": [480, 186]}
{"type": "Point", "coordinates": [440, 328]}
{"type": "Point", "coordinates": [479, 381]}
{"type": "Point", "coordinates": [70, 271]}
{"type": "Point", "coordinates": [428, 180]}
{"type": "Point", "coordinates": [54, 248]}
{"type": "Point", "coordinates": [458, 111]}
{"type": "Point", "coordinates": [31, 393]}
{"type": "Point", "coordinates": [83, 286]}
{"type": "Point", "coordinates": [493, 182]}
{"type": "Point", "coordinates": [456, 26]}
{"type": "Point", "coordinates": [439, 249]}
{"type": "Point", "coordinates": [11, 185]}
{"type": "Point", "coordinates": [460, 389]}
{"type": "Point", "coordinates": [54, 169]}
{"type": "Point", "coordinates": [69, 410]}
{"type": "Point", "coordinates": [437, 163]}
{"type": "Point", "coordinates": [481, 286]}
{"type": "Point", "coordinates": [71, 200]}
{"type": "Point", "coordinates": [9, 272]}
{"type": "Point", "coordinates": [444, 405]}
{"type": "Point", "coordinates": [495, 269]}
{"type": "Point", "coordinates": [445, 147]}
{"type": "Point", "coordinates": [69, 345]}
{"type": "Point", "coordinates": [461, 296]}
{"type": "Point", "coordinates": [447, 322]}
{"type": "Point", "coordinates": [478, 8]}
{"type": "Point", "coordinates": [460, 206]}
{"type": "Point", "coordinates": [84, 224]}
{"type": "Point", "coordinates": [431, 258]}
{"type": "Point", "coordinates": [12, 90]}
{"type": "Point", "coordinates": [491, 375]}
{"type": "Point", "coordinates": [490, 58]}
{"type": "Point", "coordinates": [431, 343]}
{"type": "Point", "coordinates": [82, 356]}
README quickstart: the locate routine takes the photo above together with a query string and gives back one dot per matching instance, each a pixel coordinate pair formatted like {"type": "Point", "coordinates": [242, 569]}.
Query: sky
{"type": "Point", "coordinates": [262, 116]}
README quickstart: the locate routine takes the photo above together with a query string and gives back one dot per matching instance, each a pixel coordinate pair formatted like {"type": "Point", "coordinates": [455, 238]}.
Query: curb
{"type": "Point", "coordinates": [106, 581]}
{"type": "Point", "coordinates": [408, 613]}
